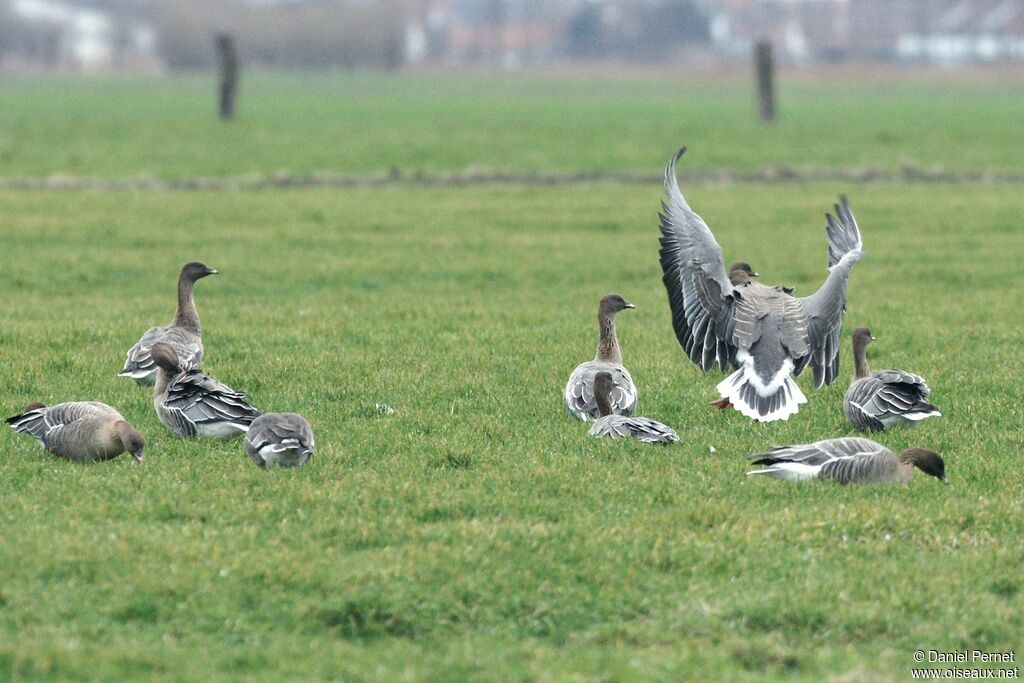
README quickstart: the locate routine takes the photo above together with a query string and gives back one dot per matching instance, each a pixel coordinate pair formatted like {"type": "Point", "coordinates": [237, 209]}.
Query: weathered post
{"type": "Point", "coordinates": [227, 61]}
{"type": "Point", "coordinates": [765, 67]}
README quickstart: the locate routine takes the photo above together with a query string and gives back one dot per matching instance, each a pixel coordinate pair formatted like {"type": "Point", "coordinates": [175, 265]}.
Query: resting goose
{"type": "Point", "coordinates": [612, 426]}
{"type": "Point", "coordinates": [84, 431]}
{"type": "Point", "coordinates": [881, 400]}
{"type": "Point", "coordinates": [284, 439]}
{"type": "Point", "coordinates": [768, 335]}
{"type": "Point", "coordinates": [849, 460]}
{"type": "Point", "coordinates": [184, 334]}
{"type": "Point", "coordinates": [579, 391]}
{"type": "Point", "coordinates": [190, 403]}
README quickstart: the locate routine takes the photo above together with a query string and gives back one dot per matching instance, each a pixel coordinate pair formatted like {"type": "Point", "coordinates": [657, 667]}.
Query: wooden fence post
{"type": "Point", "coordinates": [765, 68]}
{"type": "Point", "coordinates": [227, 62]}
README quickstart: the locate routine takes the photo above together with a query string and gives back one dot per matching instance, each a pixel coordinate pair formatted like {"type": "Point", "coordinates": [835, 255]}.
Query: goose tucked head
{"type": "Point", "coordinates": [927, 461]}
{"type": "Point", "coordinates": [194, 270]}
{"type": "Point", "coordinates": [603, 385]}
{"type": "Point", "coordinates": [34, 405]}
{"type": "Point", "coordinates": [130, 438]}
{"type": "Point", "coordinates": [612, 304]}
{"type": "Point", "coordinates": [741, 273]}
{"type": "Point", "coordinates": [165, 357]}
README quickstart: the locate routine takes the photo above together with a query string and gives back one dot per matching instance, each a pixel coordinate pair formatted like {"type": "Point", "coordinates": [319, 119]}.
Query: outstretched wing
{"type": "Point", "coordinates": [699, 292]}
{"type": "Point", "coordinates": [825, 308]}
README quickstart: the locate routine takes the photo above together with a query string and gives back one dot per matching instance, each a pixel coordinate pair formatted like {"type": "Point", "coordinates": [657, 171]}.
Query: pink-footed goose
{"type": "Point", "coordinates": [283, 439]}
{"type": "Point", "coordinates": [763, 332]}
{"type": "Point", "coordinates": [184, 334]}
{"type": "Point", "coordinates": [579, 390]}
{"type": "Point", "coordinates": [849, 460]}
{"type": "Point", "coordinates": [611, 426]}
{"type": "Point", "coordinates": [884, 399]}
{"type": "Point", "coordinates": [190, 403]}
{"type": "Point", "coordinates": [83, 431]}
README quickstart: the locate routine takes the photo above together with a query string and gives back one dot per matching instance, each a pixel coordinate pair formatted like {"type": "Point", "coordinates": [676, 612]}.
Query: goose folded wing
{"type": "Point", "coordinates": [202, 399]}
{"type": "Point", "coordinates": [693, 271]}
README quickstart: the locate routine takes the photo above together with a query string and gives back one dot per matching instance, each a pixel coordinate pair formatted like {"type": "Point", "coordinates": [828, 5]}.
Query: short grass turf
{"type": "Point", "coordinates": [166, 127]}
{"type": "Point", "coordinates": [478, 533]}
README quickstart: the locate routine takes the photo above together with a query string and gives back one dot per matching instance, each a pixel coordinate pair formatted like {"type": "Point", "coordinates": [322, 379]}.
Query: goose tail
{"type": "Point", "coordinates": [748, 394]}
{"type": "Point", "coordinates": [32, 422]}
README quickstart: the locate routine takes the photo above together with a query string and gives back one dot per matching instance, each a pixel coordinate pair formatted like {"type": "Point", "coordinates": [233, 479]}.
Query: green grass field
{"type": "Point", "coordinates": [479, 533]}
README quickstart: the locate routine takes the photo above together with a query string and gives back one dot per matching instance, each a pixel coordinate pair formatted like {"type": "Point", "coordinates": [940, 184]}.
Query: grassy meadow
{"type": "Point", "coordinates": [478, 533]}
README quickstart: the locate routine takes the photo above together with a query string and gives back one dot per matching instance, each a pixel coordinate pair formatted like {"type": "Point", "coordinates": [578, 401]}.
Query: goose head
{"type": "Point", "coordinates": [194, 270]}
{"type": "Point", "coordinates": [862, 335]}
{"type": "Point", "coordinates": [613, 303]}
{"type": "Point", "coordinates": [927, 461]}
{"type": "Point", "coordinates": [165, 357]}
{"type": "Point", "coordinates": [741, 273]}
{"type": "Point", "coordinates": [131, 439]}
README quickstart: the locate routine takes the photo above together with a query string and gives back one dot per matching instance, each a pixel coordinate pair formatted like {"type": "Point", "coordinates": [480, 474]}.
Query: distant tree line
{"type": "Point", "coordinates": [345, 33]}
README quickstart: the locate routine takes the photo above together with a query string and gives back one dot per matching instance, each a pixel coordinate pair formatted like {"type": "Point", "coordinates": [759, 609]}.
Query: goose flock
{"type": "Point", "coordinates": [722, 319]}
{"type": "Point", "coordinates": [188, 402]}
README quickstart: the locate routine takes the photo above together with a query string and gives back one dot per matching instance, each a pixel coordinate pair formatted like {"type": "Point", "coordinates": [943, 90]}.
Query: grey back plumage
{"type": "Point", "coordinates": [761, 330]}
{"type": "Point", "coordinates": [579, 398]}
{"type": "Point", "coordinates": [187, 343]}
{"type": "Point", "coordinates": [887, 398]}
{"type": "Point", "coordinates": [195, 404]}
{"type": "Point", "coordinates": [847, 460]}
{"type": "Point", "coordinates": [640, 428]}
{"type": "Point", "coordinates": [285, 439]}
{"type": "Point", "coordinates": [78, 430]}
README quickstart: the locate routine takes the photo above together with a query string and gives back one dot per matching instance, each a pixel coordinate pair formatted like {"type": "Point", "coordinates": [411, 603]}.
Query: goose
{"type": "Point", "coordinates": [612, 426]}
{"type": "Point", "coordinates": [284, 439]}
{"type": "Point", "coordinates": [767, 335]}
{"type": "Point", "coordinates": [190, 403]}
{"type": "Point", "coordinates": [184, 334]}
{"type": "Point", "coordinates": [881, 400]}
{"type": "Point", "coordinates": [579, 391]}
{"type": "Point", "coordinates": [848, 460]}
{"type": "Point", "coordinates": [83, 431]}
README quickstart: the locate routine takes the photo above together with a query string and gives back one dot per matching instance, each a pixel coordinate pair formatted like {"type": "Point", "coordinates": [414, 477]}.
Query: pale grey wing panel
{"type": "Point", "coordinates": [693, 271]}
{"type": "Point", "coordinates": [139, 363]}
{"type": "Point", "coordinates": [904, 377]}
{"type": "Point", "coordinates": [819, 452]}
{"type": "Point", "coordinates": [651, 431]}
{"type": "Point", "coordinates": [203, 400]}
{"type": "Point", "coordinates": [858, 404]}
{"type": "Point", "coordinates": [825, 308]}
{"type": "Point", "coordinates": [66, 413]}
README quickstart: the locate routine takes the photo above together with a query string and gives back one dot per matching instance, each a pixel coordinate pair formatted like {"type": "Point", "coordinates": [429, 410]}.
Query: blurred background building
{"type": "Point", "coordinates": [155, 35]}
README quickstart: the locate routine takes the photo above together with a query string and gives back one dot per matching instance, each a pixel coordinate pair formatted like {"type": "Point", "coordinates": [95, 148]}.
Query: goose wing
{"type": "Point", "coordinates": [201, 399]}
{"type": "Point", "coordinates": [186, 343]}
{"type": "Point", "coordinates": [579, 391]}
{"type": "Point", "coordinates": [824, 309]}
{"type": "Point", "coordinates": [693, 271]}
{"type": "Point", "coordinates": [281, 432]}
{"type": "Point", "coordinates": [41, 421]}
{"type": "Point", "coordinates": [892, 393]}
{"type": "Point", "coordinates": [845, 460]}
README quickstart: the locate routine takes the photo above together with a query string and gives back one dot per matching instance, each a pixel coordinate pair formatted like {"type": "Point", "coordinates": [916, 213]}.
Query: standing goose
{"type": "Point", "coordinates": [184, 334]}
{"type": "Point", "coordinates": [190, 403]}
{"type": "Point", "coordinates": [284, 439]}
{"type": "Point", "coordinates": [612, 426]}
{"type": "Point", "coordinates": [579, 391]}
{"type": "Point", "coordinates": [880, 400]}
{"type": "Point", "coordinates": [768, 335]}
{"type": "Point", "coordinates": [849, 460]}
{"type": "Point", "coordinates": [83, 431]}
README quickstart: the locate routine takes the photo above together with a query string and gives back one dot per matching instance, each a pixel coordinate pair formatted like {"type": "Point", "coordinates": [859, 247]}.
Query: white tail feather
{"type": "Point", "coordinates": [731, 388]}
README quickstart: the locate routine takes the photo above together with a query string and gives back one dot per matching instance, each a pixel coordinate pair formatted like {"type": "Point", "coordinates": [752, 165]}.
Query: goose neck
{"type": "Point", "coordinates": [608, 344]}
{"type": "Point", "coordinates": [860, 359]}
{"type": "Point", "coordinates": [186, 315]}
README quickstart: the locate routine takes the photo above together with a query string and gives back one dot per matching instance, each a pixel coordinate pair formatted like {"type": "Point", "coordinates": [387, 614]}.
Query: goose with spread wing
{"type": "Point", "coordinates": [848, 460]}
{"type": "Point", "coordinates": [190, 403]}
{"type": "Point", "coordinates": [884, 399]}
{"type": "Point", "coordinates": [184, 334]}
{"type": "Point", "coordinates": [767, 335]}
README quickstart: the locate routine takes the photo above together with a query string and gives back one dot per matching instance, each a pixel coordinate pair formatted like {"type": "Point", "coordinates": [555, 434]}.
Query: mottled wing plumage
{"type": "Point", "coordinates": [846, 460]}
{"type": "Point", "coordinates": [579, 391]}
{"type": "Point", "coordinates": [199, 400]}
{"type": "Point", "coordinates": [640, 428]}
{"type": "Point", "coordinates": [286, 436]}
{"type": "Point", "coordinates": [825, 308]}
{"type": "Point", "coordinates": [887, 397]}
{"type": "Point", "coordinates": [41, 421]}
{"type": "Point", "coordinates": [693, 271]}
{"type": "Point", "coordinates": [187, 344]}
